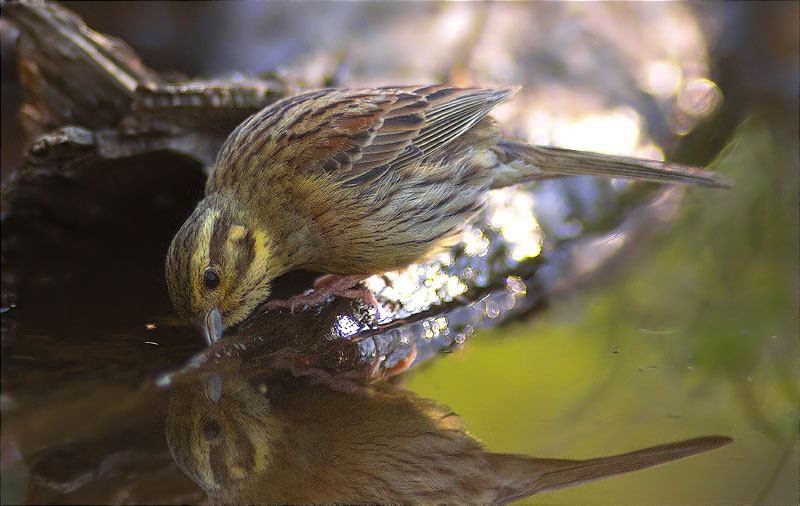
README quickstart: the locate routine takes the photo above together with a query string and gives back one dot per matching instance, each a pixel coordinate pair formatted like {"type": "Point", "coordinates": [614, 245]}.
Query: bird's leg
{"type": "Point", "coordinates": [402, 364]}
{"type": "Point", "coordinates": [326, 286]}
{"type": "Point", "coordinates": [348, 382]}
{"type": "Point", "coordinates": [299, 366]}
{"type": "Point", "coordinates": [372, 369]}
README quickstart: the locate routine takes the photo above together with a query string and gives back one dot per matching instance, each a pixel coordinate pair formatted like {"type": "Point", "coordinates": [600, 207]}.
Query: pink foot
{"type": "Point", "coordinates": [324, 287]}
{"type": "Point", "coordinates": [352, 382]}
{"type": "Point", "coordinates": [299, 366]}
{"type": "Point", "coordinates": [402, 365]}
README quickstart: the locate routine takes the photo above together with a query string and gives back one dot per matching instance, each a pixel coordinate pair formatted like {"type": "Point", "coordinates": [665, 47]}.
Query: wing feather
{"type": "Point", "coordinates": [357, 135]}
{"type": "Point", "coordinates": [448, 113]}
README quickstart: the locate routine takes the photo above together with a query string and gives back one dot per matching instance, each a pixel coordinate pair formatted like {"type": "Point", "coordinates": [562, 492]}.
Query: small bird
{"type": "Point", "coordinates": [309, 444]}
{"type": "Point", "coordinates": [354, 183]}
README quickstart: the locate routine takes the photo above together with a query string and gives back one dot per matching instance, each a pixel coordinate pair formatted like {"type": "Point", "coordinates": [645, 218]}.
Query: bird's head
{"type": "Point", "coordinates": [218, 267]}
{"type": "Point", "coordinates": [220, 431]}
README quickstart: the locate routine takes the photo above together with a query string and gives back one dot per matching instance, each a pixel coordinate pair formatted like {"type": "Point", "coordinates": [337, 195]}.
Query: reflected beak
{"type": "Point", "coordinates": [213, 327]}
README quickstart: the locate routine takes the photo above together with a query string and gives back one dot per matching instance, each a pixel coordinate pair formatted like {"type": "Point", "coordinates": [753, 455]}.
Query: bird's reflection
{"type": "Point", "coordinates": [292, 441]}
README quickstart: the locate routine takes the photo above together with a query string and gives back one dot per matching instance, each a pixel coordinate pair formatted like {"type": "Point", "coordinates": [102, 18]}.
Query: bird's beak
{"type": "Point", "coordinates": [213, 327]}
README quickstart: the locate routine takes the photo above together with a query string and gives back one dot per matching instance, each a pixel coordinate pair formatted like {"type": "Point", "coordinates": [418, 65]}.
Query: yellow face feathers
{"type": "Point", "coordinates": [221, 432]}
{"type": "Point", "coordinates": [218, 262]}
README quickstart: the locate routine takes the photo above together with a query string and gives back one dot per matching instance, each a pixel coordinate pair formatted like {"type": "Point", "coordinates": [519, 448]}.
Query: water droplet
{"type": "Point", "coordinates": [516, 284]}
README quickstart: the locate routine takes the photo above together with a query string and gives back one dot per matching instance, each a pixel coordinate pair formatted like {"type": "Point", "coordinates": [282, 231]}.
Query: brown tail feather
{"type": "Point", "coordinates": [526, 476]}
{"type": "Point", "coordinates": [524, 162]}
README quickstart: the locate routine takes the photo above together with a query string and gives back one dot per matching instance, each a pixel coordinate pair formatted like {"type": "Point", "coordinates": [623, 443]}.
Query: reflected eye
{"type": "Point", "coordinates": [210, 431]}
{"type": "Point", "coordinates": [210, 279]}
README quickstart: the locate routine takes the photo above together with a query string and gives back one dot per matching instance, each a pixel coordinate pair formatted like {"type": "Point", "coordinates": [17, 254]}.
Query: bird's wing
{"type": "Point", "coordinates": [417, 122]}
{"type": "Point", "coordinates": [358, 135]}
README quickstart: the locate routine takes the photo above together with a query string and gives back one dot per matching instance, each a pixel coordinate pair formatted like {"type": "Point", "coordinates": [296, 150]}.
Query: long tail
{"type": "Point", "coordinates": [524, 162]}
{"type": "Point", "coordinates": [523, 476]}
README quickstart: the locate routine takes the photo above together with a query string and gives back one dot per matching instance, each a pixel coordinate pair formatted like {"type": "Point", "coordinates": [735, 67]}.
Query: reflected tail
{"type": "Point", "coordinates": [523, 476]}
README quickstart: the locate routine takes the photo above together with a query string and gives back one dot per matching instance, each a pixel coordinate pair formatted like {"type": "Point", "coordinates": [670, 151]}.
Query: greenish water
{"type": "Point", "coordinates": [696, 334]}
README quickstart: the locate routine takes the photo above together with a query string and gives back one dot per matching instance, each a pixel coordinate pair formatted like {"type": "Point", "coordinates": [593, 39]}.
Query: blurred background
{"type": "Point", "coordinates": [697, 331]}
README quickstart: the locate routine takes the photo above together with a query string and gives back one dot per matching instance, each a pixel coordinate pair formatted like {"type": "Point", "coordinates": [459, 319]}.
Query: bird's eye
{"type": "Point", "coordinates": [210, 279]}
{"type": "Point", "coordinates": [211, 431]}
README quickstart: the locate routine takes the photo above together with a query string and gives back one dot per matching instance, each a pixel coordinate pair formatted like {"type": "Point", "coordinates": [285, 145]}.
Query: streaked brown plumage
{"type": "Point", "coordinates": [356, 182]}
{"type": "Point", "coordinates": [313, 445]}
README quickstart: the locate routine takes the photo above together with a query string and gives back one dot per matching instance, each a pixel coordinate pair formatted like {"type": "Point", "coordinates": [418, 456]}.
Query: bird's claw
{"type": "Point", "coordinates": [325, 287]}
